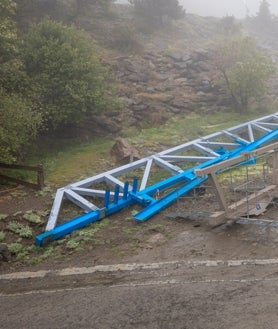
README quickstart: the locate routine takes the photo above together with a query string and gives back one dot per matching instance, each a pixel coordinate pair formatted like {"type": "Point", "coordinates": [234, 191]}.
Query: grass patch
{"type": "Point", "coordinates": [75, 161]}
{"type": "Point", "coordinates": [73, 244]}
{"type": "Point", "coordinates": [185, 128]}
{"type": "Point", "coordinates": [87, 234]}
{"type": "Point", "coordinates": [45, 191]}
{"type": "Point", "coordinates": [125, 39]}
{"type": "Point", "coordinates": [68, 160]}
{"type": "Point", "coordinates": [48, 252]}
{"type": "Point", "coordinates": [63, 163]}
{"type": "Point", "coordinates": [24, 231]}
{"type": "Point", "coordinates": [31, 217]}
{"type": "Point", "coordinates": [2, 236]}
{"type": "Point", "coordinates": [15, 248]}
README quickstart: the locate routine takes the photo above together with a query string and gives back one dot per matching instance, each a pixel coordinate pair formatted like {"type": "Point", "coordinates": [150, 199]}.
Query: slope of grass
{"type": "Point", "coordinates": [182, 129]}
{"type": "Point", "coordinates": [64, 163]}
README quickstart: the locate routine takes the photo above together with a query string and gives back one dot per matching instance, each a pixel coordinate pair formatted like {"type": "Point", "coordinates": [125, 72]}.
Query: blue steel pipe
{"type": "Point", "coordinates": [188, 179]}
{"type": "Point", "coordinates": [157, 206]}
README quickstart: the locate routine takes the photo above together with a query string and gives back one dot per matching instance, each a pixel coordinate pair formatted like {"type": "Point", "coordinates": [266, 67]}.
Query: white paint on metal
{"type": "Point", "coordinates": [56, 207]}
{"type": "Point", "coordinates": [109, 179]}
{"type": "Point", "coordinates": [92, 192]}
{"type": "Point", "coordinates": [250, 132]}
{"type": "Point", "coordinates": [205, 150]}
{"type": "Point", "coordinates": [166, 160]}
{"type": "Point", "coordinates": [176, 158]}
{"type": "Point", "coordinates": [167, 166]}
{"type": "Point", "coordinates": [235, 137]}
{"type": "Point", "coordinates": [146, 174]}
{"type": "Point", "coordinates": [218, 144]}
{"type": "Point", "coordinates": [261, 128]}
{"type": "Point", "coordinates": [80, 201]}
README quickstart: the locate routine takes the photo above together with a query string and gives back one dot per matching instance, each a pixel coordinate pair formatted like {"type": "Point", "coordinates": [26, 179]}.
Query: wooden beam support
{"type": "Point", "coordinates": [275, 168]}
{"type": "Point", "coordinates": [218, 191]}
{"type": "Point", "coordinates": [257, 201]}
{"type": "Point", "coordinates": [243, 157]}
{"type": "Point", "coordinates": [38, 169]}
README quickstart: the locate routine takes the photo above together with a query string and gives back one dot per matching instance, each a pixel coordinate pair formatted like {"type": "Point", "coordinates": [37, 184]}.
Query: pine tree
{"type": "Point", "coordinates": [156, 10]}
{"type": "Point", "coordinates": [264, 15]}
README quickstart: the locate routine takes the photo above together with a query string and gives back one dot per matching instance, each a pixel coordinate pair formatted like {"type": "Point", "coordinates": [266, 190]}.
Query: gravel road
{"type": "Point", "coordinates": [185, 295]}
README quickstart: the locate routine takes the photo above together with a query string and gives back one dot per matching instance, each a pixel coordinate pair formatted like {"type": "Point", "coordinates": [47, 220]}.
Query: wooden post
{"type": "Point", "coordinates": [219, 192]}
{"type": "Point", "coordinates": [40, 177]}
{"type": "Point", "coordinates": [275, 168]}
{"type": "Point", "coordinates": [38, 170]}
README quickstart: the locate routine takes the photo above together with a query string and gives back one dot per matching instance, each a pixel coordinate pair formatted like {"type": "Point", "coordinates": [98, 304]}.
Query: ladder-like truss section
{"type": "Point", "coordinates": [157, 180]}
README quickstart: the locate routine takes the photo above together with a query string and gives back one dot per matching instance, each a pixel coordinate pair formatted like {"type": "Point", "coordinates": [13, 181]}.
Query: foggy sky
{"type": "Point", "coordinates": [237, 8]}
{"type": "Point", "coordinates": [220, 8]}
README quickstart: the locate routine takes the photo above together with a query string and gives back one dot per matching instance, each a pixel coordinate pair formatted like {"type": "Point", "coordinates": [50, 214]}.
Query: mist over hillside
{"type": "Point", "coordinates": [220, 8]}
{"type": "Point", "coordinates": [237, 8]}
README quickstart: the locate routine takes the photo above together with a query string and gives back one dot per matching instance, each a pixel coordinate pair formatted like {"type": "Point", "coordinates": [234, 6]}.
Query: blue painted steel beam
{"type": "Point", "coordinates": [82, 221]}
{"type": "Point", "coordinates": [186, 180]}
{"type": "Point", "coordinates": [67, 227]}
{"type": "Point", "coordinates": [91, 217]}
{"type": "Point", "coordinates": [164, 202]}
{"type": "Point", "coordinates": [157, 206]}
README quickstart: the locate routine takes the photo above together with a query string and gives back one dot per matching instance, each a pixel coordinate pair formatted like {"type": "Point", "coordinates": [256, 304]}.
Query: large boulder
{"type": "Point", "coordinates": [103, 124]}
{"type": "Point", "coordinates": [122, 152]}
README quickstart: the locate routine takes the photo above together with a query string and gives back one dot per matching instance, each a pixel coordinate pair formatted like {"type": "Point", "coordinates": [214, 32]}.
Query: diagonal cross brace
{"type": "Point", "coordinates": [144, 196]}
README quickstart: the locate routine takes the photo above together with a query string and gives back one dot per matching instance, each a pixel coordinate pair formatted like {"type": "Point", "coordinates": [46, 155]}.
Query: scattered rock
{"type": "Point", "coordinates": [179, 103]}
{"type": "Point", "coordinates": [157, 238]}
{"type": "Point", "coordinates": [103, 124]}
{"type": "Point", "coordinates": [5, 255]}
{"type": "Point", "coordinates": [175, 110]}
{"type": "Point", "coordinates": [181, 66]}
{"type": "Point", "coordinates": [173, 82]}
{"type": "Point", "coordinates": [122, 152]}
{"type": "Point", "coordinates": [200, 55]}
{"type": "Point", "coordinates": [204, 66]}
{"type": "Point", "coordinates": [138, 77]}
{"type": "Point", "coordinates": [176, 57]}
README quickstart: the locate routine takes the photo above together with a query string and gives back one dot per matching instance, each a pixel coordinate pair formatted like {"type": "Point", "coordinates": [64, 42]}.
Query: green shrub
{"type": "Point", "coordinates": [15, 248]}
{"type": "Point", "coordinates": [157, 12]}
{"type": "Point", "coordinates": [3, 216]}
{"type": "Point", "coordinates": [24, 231]}
{"type": "Point", "coordinates": [125, 39]}
{"type": "Point", "coordinates": [73, 244]}
{"type": "Point", "coordinates": [19, 124]}
{"type": "Point", "coordinates": [2, 236]}
{"type": "Point", "coordinates": [31, 217]}
{"type": "Point", "coordinates": [68, 82]}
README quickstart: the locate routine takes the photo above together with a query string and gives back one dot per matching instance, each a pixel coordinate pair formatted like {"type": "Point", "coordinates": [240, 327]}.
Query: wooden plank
{"type": "Point", "coordinates": [19, 181]}
{"type": "Point", "coordinates": [240, 208]}
{"type": "Point", "coordinates": [219, 192]}
{"type": "Point", "coordinates": [260, 206]}
{"type": "Point", "coordinates": [23, 167]}
{"type": "Point", "coordinates": [38, 170]}
{"type": "Point", "coordinates": [221, 165]}
{"type": "Point", "coordinates": [275, 168]}
{"type": "Point", "coordinates": [251, 198]}
{"type": "Point", "coordinates": [243, 157]}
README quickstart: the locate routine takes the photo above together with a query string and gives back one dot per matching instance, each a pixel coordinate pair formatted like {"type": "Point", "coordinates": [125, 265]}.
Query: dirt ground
{"type": "Point", "coordinates": [122, 240]}
{"type": "Point", "coordinates": [180, 295]}
{"type": "Point", "coordinates": [170, 279]}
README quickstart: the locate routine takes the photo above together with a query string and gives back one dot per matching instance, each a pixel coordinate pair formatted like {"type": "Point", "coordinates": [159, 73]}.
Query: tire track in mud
{"type": "Point", "coordinates": [140, 274]}
{"type": "Point", "coordinates": [135, 266]}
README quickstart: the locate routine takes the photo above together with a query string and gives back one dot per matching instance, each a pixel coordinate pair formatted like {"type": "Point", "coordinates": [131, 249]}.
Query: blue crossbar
{"type": "Point", "coordinates": [183, 182]}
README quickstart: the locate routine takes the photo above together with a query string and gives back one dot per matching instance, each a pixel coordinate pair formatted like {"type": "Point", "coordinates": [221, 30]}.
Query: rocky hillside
{"type": "Point", "coordinates": [169, 72]}
{"type": "Point", "coordinates": [156, 86]}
